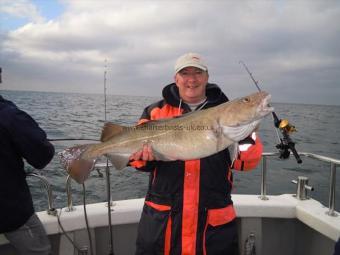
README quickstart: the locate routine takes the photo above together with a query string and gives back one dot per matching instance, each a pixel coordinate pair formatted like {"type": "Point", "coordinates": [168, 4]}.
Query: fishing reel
{"type": "Point", "coordinates": [285, 126]}
{"type": "Point", "coordinates": [286, 144]}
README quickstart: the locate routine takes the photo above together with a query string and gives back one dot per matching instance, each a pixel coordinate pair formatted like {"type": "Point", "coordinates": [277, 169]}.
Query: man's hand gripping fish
{"type": "Point", "coordinates": [190, 136]}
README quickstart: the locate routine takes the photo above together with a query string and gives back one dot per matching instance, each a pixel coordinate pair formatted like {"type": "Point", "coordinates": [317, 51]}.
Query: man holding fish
{"type": "Point", "coordinates": [189, 142]}
{"type": "Point", "coordinates": [188, 207]}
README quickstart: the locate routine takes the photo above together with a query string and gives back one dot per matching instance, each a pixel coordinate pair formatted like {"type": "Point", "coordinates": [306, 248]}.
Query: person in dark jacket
{"type": "Point", "coordinates": [188, 207]}
{"type": "Point", "coordinates": [21, 139]}
{"type": "Point", "coordinates": [337, 248]}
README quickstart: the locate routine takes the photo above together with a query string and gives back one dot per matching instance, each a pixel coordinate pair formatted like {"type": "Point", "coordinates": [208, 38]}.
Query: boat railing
{"type": "Point", "coordinates": [332, 183]}
{"type": "Point", "coordinates": [263, 196]}
{"type": "Point", "coordinates": [50, 210]}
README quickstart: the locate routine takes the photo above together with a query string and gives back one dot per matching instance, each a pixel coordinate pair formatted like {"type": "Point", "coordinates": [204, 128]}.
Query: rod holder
{"type": "Point", "coordinates": [302, 187]}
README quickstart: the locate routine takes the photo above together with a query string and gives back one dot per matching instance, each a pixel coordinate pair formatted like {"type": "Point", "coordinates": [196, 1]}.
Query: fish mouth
{"type": "Point", "coordinates": [265, 107]}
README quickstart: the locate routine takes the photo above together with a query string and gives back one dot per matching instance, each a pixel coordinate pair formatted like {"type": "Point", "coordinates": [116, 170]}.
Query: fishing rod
{"type": "Point", "coordinates": [286, 144]}
{"type": "Point", "coordinates": [107, 171]}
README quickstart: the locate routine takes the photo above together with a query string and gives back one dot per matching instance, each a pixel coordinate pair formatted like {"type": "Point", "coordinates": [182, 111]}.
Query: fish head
{"type": "Point", "coordinates": [241, 116]}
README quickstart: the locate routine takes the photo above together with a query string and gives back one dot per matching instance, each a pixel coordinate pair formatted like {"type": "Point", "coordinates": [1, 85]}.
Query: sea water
{"type": "Point", "coordinates": [69, 115]}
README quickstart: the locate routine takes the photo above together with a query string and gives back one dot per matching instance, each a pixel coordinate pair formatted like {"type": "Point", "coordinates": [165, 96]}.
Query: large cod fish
{"type": "Point", "coordinates": [191, 136]}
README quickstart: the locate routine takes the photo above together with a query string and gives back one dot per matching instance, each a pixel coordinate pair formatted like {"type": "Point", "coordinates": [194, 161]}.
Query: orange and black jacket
{"type": "Point", "coordinates": [185, 199]}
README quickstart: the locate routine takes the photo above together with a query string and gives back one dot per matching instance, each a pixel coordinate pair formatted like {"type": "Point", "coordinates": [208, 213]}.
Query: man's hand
{"type": "Point", "coordinates": [145, 154]}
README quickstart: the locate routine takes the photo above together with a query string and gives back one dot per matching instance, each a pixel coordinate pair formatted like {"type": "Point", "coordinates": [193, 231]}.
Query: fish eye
{"type": "Point", "coordinates": [246, 99]}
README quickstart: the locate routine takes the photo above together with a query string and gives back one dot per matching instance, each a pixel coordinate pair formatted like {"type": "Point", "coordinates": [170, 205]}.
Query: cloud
{"type": "Point", "coordinates": [294, 41]}
{"type": "Point", "coordinates": [21, 9]}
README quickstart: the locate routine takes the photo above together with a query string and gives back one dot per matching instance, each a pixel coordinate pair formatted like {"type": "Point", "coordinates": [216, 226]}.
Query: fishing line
{"type": "Point", "coordinates": [86, 219]}
{"type": "Point", "coordinates": [86, 222]}
{"type": "Point", "coordinates": [65, 233]}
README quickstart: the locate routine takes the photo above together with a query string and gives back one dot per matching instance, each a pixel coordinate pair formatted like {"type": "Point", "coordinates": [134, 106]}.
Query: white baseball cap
{"type": "Point", "coordinates": [190, 59]}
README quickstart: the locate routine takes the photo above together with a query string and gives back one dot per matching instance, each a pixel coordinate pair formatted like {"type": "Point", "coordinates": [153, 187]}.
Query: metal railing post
{"type": "Point", "coordinates": [51, 210]}
{"type": "Point", "coordinates": [70, 207]}
{"type": "Point", "coordinates": [331, 203]}
{"type": "Point", "coordinates": [264, 178]}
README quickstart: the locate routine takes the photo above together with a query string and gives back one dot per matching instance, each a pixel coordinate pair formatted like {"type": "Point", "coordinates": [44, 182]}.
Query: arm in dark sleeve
{"type": "Point", "coordinates": [30, 140]}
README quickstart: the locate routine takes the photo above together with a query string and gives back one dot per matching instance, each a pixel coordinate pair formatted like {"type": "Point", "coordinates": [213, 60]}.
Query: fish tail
{"type": "Point", "coordinates": [77, 166]}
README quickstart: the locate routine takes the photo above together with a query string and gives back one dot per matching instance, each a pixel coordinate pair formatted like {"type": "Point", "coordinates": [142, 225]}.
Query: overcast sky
{"type": "Point", "coordinates": [291, 47]}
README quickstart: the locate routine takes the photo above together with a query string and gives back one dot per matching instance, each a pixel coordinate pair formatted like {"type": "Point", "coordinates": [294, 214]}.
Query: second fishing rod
{"type": "Point", "coordinates": [286, 144]}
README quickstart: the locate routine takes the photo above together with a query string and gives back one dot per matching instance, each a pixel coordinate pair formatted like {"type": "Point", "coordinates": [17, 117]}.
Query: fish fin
{"type": "Point", "coordinates": [76, 166]}
{"type": "Point", "coordinates": [218, 133]}
{"type": "Point", "coordinates": [110, 130]}
{"type": "Point", "coordinates": [119, 161]}
{"type": "Point", "coordinates": [237, 133]}
{"type": "Point", "coordinates": [234, 151]}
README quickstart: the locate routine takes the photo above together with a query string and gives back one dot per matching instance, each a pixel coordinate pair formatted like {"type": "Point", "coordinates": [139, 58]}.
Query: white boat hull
{"type": "Point", "coordinates": [282, 225]}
